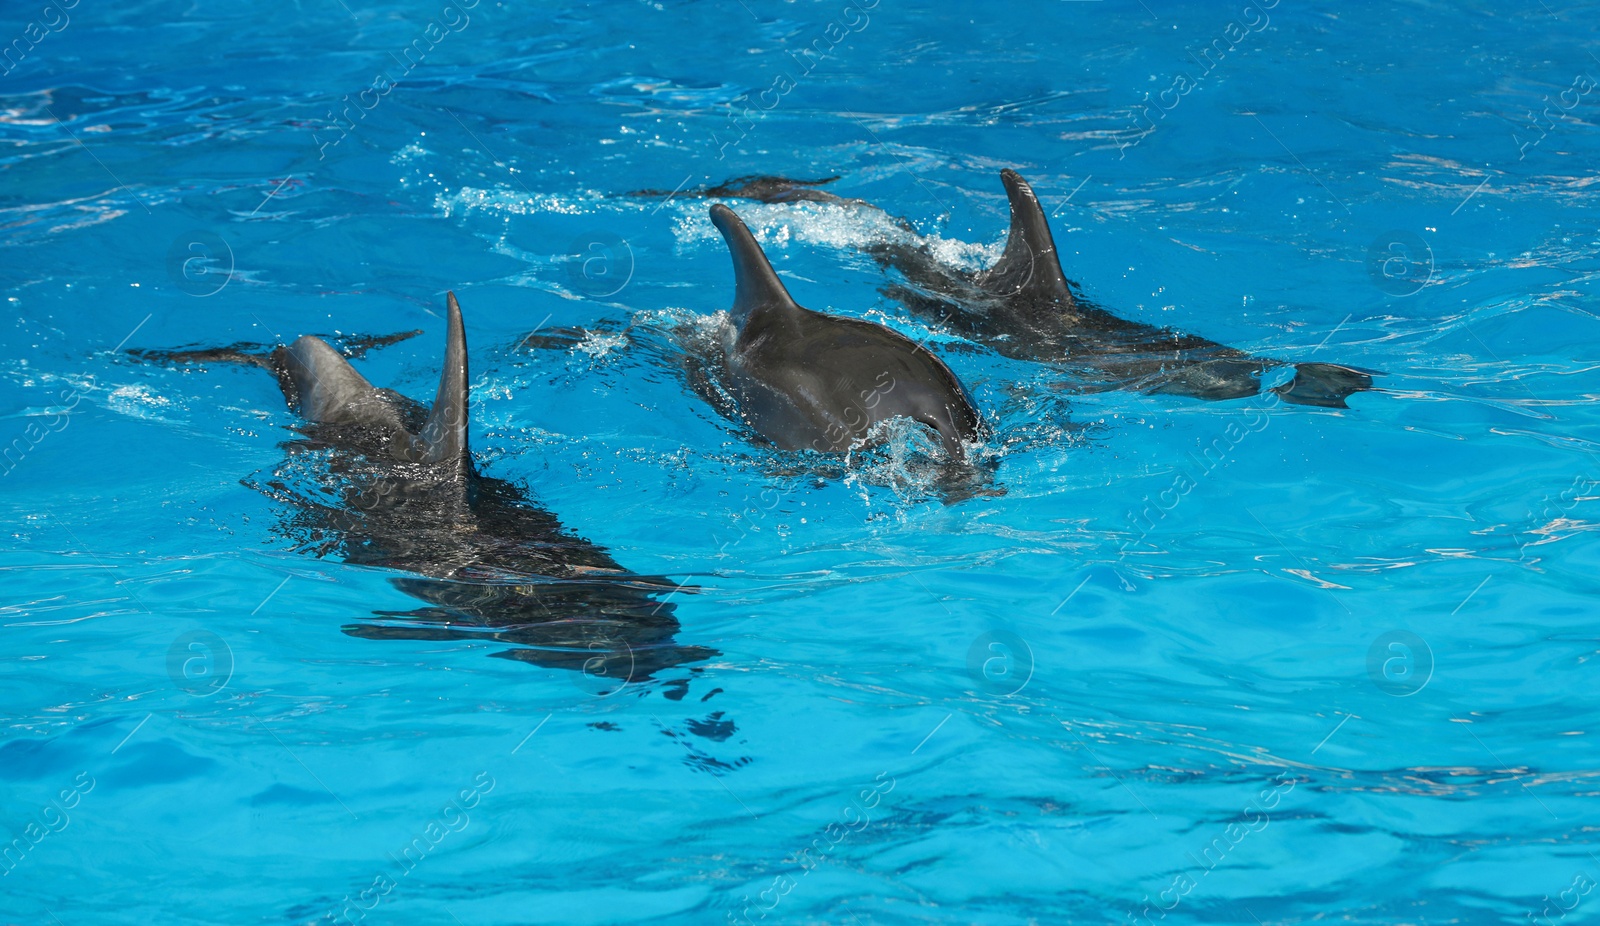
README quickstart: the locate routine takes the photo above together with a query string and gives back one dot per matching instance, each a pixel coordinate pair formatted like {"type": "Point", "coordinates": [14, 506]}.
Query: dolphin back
{"type": "Point", "coordinates": [808, 380]}
{"type": "Point", "coordinates": [321, 384]}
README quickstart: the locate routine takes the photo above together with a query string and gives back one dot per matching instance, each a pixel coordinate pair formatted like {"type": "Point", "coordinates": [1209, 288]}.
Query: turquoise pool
{"type": "Point", "coordinates": [1189, 662]}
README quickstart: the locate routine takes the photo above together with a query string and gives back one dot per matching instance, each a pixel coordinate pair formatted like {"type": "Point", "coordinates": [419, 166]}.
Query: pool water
{"type": "Point", "coordinates": [1233, 662]}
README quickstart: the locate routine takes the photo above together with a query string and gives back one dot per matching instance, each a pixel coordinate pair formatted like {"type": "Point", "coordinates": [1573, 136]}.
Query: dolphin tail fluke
{"type": "Point", "coordinates": [244, 353]}
{"type": "Point", "coordinates": [770, 189]}
{"type": "Point", "coordinates": [758, 285]}
{"type": "Point", "coordinates": [764, 188]}
{"type": "Point", "coordinates": [318, 380]}
{"type": "Point", "coordinates": [250, 353]}
{"type": "Point", "coordinates": [1030, 264]}
{"type": "Point", "coordinates": [357, 346]}
{"type": "Point", "coordinates": [315, 377]}
{"type": "Point", "coordinates": [444, 437]}
{"type": "Point", "coordinates": [1325, 385]}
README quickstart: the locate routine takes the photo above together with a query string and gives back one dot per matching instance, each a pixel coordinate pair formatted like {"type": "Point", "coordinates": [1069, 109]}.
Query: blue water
{"type": "Point", "coordinates": [1249, 663]}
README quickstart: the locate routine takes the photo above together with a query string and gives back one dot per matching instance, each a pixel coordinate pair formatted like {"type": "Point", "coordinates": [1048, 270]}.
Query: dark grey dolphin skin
{"type": "Point", "coordinates": [762, 188]}
{"type": "Point", "coordinates": [1025, 308]}
{"type": "Point", "coordinates": [491, 564]}
{"type": "Point", "coordinates": [805, 380]}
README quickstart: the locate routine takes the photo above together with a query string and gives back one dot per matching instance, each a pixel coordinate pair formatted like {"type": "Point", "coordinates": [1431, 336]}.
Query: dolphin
{"type": "Point", "coordinates": [490, 563]}
{"type": "Point", "coordinates": [1025, 308]}
{"type": "Point", "coordinates": [806, 380]}
{"type": "Point", "coordinates": [762, 188]}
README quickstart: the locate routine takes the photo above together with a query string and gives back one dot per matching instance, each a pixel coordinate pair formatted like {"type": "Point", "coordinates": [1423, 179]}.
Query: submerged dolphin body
{"type": "Point", "coordinates": [1025, 308]}
{"type": "Point", "coordinates": [762, 188]}
{"type": "Point", "coordinates": [491, 564]}
{"type": "Point", "coordinates": [805, 380]}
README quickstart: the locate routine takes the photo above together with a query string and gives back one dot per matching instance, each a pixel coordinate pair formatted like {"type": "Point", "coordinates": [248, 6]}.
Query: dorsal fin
{"type": "Point", "coordinates": [1029, 265]}
{"type": "Point", "coordinates": [444, 437]}
{"type": "Point", "coordinates": [758, 284]}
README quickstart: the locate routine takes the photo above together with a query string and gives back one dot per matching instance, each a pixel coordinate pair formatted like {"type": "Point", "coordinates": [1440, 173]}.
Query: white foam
{"type": "Point", "coordinates": [409, 154]}
{"type": "Point", "coordinates": [468, 200]}
{"type": "Point", "coordinates": [138, 401]}
{"type": "Point", "coordinates": [600, 344]}
{"type": "Point", "coordinates": [834, 225]}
